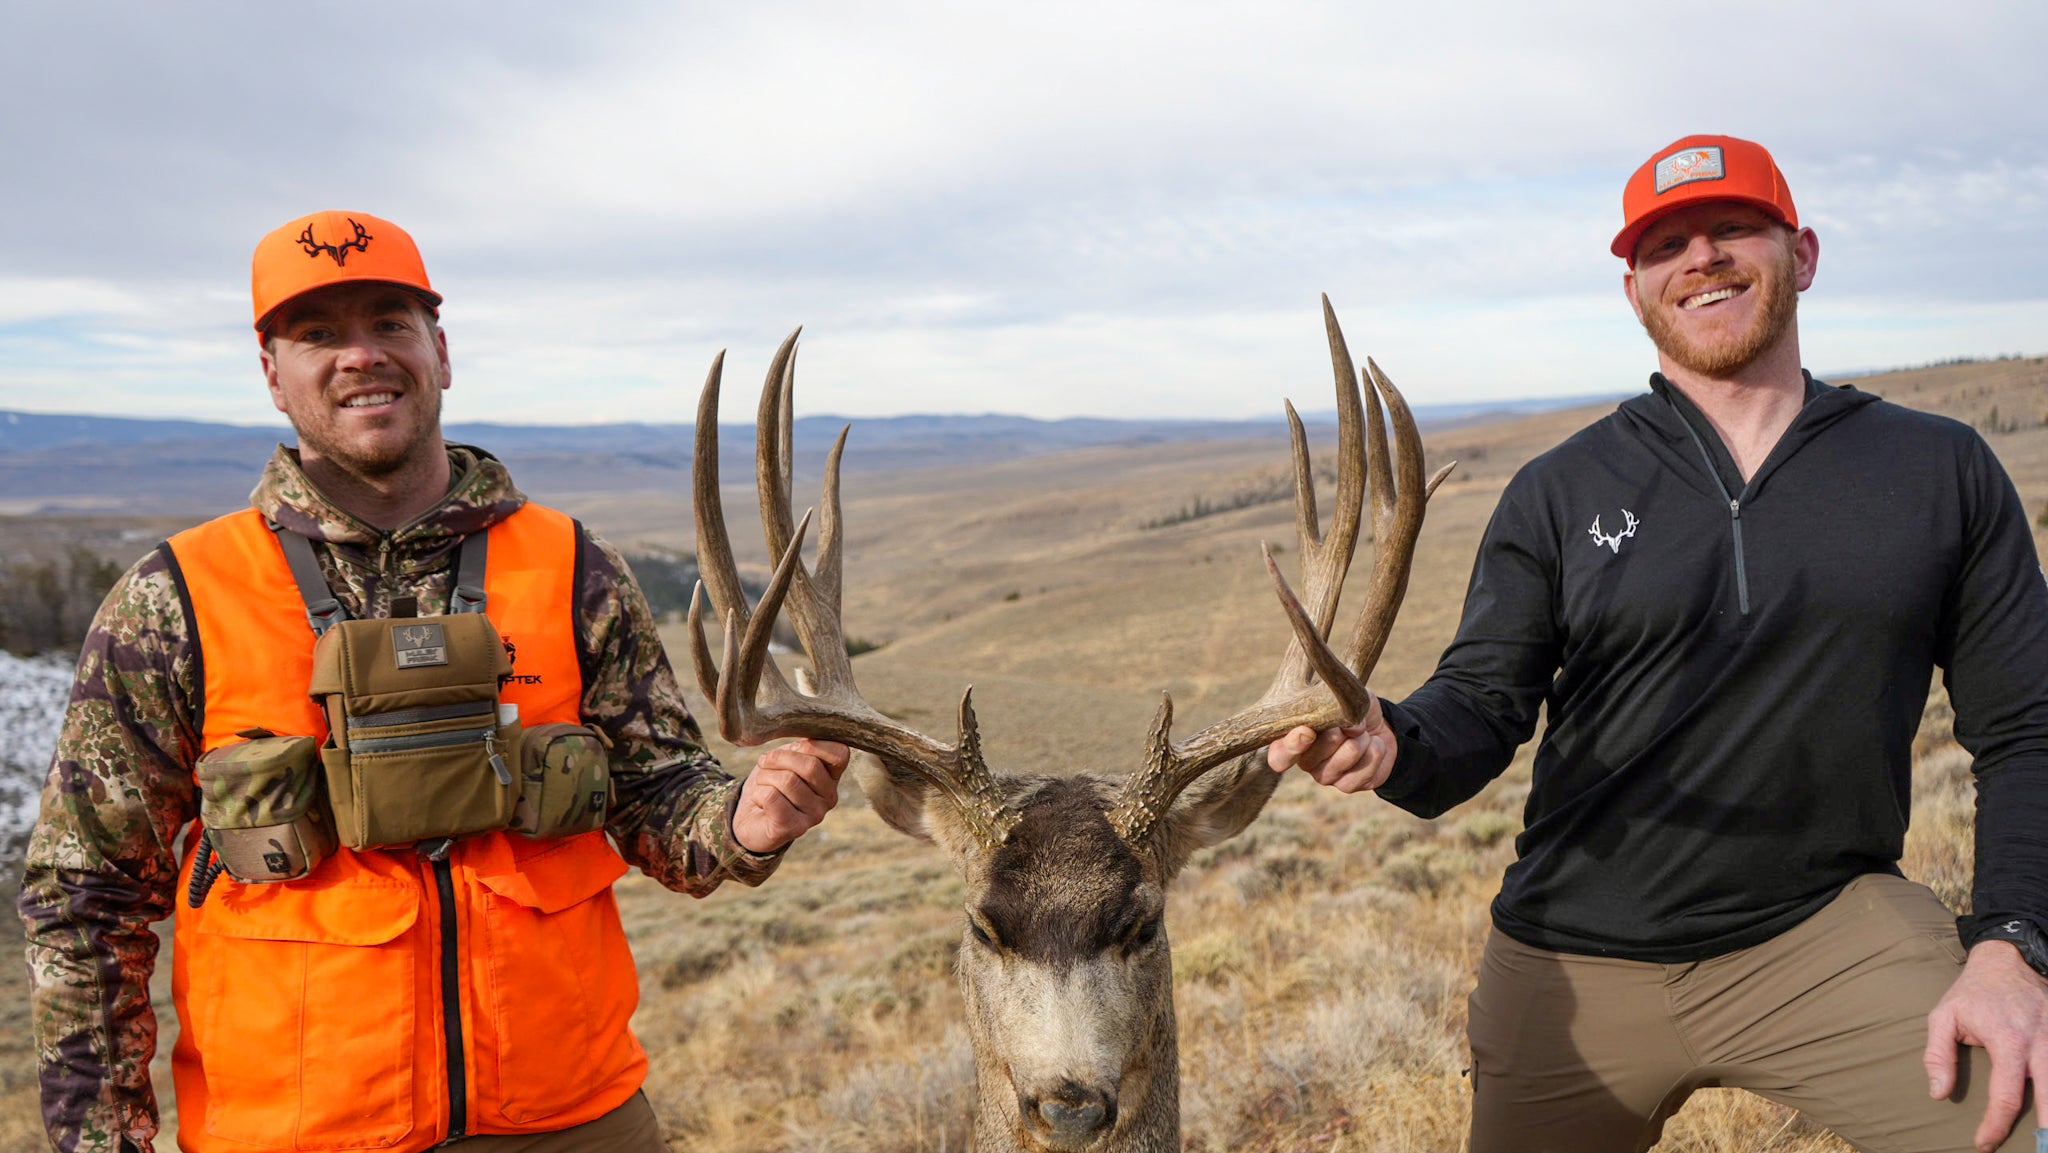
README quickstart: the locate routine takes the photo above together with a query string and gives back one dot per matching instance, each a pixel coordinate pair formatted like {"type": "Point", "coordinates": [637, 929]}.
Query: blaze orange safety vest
{"type": "Point", "coordinates": [386, 998]}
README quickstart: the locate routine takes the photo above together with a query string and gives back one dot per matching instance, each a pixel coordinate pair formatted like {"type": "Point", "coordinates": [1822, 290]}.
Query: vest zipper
{"type": "Point", "coordinates": [1734, 511]}
{"type": "Point", "coordinates": [436, 853]}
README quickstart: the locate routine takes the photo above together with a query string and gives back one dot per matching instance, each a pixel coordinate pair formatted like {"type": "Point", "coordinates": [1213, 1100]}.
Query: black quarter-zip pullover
{"type": "Point", "coordinates": [1733, 673]}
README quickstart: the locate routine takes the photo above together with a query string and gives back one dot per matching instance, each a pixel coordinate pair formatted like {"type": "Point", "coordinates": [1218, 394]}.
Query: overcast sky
{"type": "Point", "coordinates": [1050, 209]}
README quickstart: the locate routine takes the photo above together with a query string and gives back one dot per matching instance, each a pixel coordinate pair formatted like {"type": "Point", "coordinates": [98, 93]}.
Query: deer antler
{"type": "Point", "coordinates": [1314, 687]}
{"type": "Point", "coordinates": [753, 701]}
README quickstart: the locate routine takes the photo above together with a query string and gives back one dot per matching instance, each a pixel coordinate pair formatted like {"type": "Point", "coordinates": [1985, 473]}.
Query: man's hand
{"type": "Point", "coordinates": [1349, 760]}
{"type": "Point", "coordinates": [2001, 1005]}
{"type": "Point", "coordinates": [790, 790]}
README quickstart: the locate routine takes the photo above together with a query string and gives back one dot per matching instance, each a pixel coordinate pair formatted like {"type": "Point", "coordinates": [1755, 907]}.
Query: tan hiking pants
{"type": "Point", "coordinates": [1572, 1052]}
{"type": "Point", "coordinates": [630, 1128]}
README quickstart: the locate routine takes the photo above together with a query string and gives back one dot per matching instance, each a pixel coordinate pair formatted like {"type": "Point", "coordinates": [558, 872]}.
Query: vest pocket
{"type": "Point", "coordinates": [306, 1014]}
{"type": "Point", "coordinates": [430, 784]}
{"type": "Point", "coordinates": [562, 986]}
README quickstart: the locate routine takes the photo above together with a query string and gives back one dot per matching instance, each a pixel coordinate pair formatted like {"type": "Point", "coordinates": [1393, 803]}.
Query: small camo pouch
{"type": "Point", "coordinates": [260, 800]}
{"type": "Point", "coordinates": [566, 786]}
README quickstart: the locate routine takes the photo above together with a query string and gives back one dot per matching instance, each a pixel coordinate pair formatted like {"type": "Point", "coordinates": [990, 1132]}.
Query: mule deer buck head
{"type": "Point", "coordinates": [1063, 962]}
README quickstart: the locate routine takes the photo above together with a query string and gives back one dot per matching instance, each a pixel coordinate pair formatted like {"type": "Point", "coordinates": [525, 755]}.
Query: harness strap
{"type": "Point", "coordinates": [323, 611]}
{"type": "Point", "coordinates": [468, 595]}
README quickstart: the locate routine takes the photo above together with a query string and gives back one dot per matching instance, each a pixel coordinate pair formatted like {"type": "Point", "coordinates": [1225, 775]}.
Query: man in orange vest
{"type": "Point", "coordinates": [473, 989]}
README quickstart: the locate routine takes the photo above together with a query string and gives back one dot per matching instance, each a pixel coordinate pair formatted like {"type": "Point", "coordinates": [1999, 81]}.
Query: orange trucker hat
{"type": "Point", "coordinates": [1700, 168]}
{"type": "Point", "coordinates": [333, 248]}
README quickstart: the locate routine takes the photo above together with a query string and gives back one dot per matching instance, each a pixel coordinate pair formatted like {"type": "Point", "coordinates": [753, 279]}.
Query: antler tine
{"type": "Point", "coordinates": [1350, 452]}
{"type": "Point", "coordinates": [1326, 561]}
{"type": "Point", "coordinates": [1340, 694]}
{"type": "Point", "coordinates": [829, 659]}
{"type": "Point", "coordinates": [1307, 532]}
{"type": "Point", "coordinates": [813, 605]}
{"type": "Point", "coordinates": [753, 702]}
{"type": "Point", "coordinates": [745, 664]}
{"type": "Point", "coordinates": [1397, 523]}
{"type": "Point", "coordinates": [714, 554]}
{"type": "Point", "coordinates": [718, 574]}
{"type": "Point", "coordinates": [771, 448]}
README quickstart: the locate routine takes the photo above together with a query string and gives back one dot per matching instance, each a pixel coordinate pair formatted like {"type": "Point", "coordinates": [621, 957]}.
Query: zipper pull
{"type": "Point", "coordinates": [497, 762]}
{"type": "Point", "coordinates": [436, 848]}
{"type": "Point", "coordinates": [1735, 508]}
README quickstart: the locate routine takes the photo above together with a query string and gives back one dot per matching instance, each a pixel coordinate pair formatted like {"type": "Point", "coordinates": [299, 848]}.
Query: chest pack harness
{"type": "Point", "coordinates": [419, 747]}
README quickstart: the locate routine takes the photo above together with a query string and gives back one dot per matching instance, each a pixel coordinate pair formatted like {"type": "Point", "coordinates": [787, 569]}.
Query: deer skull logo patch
{"type": "Point", "coordinates": [1612, 542]}
{"type": "Point", "coordinates": [360, 242]}
{"type": "Point", "coordinates": [419, 645]}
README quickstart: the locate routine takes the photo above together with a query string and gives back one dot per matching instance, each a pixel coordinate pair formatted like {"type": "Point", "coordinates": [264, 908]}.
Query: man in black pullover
{"type": "Point", "coordinates": [1728, 598]}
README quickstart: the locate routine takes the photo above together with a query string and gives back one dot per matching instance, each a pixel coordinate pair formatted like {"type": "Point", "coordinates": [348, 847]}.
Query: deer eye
{"type": "Point", "coordinates": [1144, 934]}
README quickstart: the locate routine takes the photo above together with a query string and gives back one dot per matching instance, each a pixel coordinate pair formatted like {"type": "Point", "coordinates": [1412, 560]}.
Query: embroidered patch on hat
{"type": "Point", "coordinates": [360, 242]}
{"type": "Point", "coordinates": [1690, 164]}
{"type": "Point", "coordinates": [419, 645]}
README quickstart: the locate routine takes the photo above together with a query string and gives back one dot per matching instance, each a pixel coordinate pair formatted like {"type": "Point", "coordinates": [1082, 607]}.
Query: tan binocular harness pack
{"type": "Point", "coordinates": [419, 746]}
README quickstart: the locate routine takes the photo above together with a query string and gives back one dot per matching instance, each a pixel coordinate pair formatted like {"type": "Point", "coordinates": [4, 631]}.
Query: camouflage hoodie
{"type": "Point", "coordinates": [101, 863]}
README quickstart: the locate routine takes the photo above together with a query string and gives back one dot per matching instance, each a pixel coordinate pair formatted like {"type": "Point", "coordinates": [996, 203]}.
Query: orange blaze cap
{"type": "Point", "coordinates": [334, 248]}
{"type": "Point", "coordinates": [1700, 168]}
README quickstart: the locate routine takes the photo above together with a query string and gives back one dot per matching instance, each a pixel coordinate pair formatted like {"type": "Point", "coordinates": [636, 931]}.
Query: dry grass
{"type": "Point", "coordinates": [1322, 959]}
{"type": "Point", "coordinates": [1322, 962]}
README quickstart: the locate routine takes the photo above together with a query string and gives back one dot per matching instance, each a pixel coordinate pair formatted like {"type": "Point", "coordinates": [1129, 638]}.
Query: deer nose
{"type": "Point", "coordinates": [1072, 1115]}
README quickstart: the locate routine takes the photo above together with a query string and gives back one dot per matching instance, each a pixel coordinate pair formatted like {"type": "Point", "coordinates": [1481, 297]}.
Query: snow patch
{"type": "Point", "coordinates": [33, 692]}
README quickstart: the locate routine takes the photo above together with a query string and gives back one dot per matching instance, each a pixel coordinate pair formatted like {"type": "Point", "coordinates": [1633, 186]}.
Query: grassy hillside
{"type": "Point", "coordinates": [1322, 958]}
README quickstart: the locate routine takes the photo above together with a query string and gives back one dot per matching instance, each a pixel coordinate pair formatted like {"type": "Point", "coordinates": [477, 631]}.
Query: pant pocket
{"type": "Point", "coordinates": [1896, 904]}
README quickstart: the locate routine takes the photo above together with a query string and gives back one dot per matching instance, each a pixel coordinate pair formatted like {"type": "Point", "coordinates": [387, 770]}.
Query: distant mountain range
{"type": "Point", "coordinates": [52, 462]}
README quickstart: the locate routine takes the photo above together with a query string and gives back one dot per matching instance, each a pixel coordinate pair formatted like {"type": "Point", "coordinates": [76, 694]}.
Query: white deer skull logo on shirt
{"type": "Point", "coordinates": [1613, 543]}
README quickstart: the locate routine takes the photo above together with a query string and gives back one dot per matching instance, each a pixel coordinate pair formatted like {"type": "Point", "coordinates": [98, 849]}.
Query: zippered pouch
{"type": "Point", "coordinates": [565, 784]}
{"type": "Point", "coordinates": [415, 748]}
{"type": "Point", "coordinates": [259, 799]}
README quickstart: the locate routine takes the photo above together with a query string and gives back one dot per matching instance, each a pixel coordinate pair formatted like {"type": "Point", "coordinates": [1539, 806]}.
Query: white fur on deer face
{"type": "Point", "coordinates": [1075, 1071]}
{"type": "Point", "coordinates": [1064, 964]}
{"type": "Point", "coordinates": [1066, 973]}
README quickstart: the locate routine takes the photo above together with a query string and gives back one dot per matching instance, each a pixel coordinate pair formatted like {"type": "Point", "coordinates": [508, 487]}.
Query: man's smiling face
{"type": "Point", "coordinates": [1717, 284]}
{"type": "Point", "coordinates": [359, 369]}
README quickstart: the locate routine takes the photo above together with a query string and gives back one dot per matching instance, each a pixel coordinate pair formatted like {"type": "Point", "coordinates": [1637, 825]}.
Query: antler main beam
{"type": "Point", "coordinates": [753, 701]}
{"type": "Point", "coordinates": [1314, 686]}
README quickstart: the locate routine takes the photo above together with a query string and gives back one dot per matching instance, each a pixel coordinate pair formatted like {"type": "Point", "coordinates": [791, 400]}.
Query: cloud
{"type": "Point", "coordinates": [1053, 205]}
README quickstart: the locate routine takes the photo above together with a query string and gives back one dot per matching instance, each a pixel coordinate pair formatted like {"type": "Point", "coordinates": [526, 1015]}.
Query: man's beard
{"type": "Point", "coordinates": [377, 461]}
{"type": "Point", "coordinates": [1722, 356]}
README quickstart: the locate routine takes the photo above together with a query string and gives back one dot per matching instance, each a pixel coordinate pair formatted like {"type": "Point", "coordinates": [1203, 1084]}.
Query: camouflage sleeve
{"type": "Point", "coordinates": [100, 865]}
{"type": "Point", "coordinates": [672, 815]}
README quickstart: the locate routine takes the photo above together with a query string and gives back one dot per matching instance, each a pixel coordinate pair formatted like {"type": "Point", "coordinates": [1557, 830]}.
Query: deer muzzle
{"type": "Point", "coordinates": [1073, 1116]}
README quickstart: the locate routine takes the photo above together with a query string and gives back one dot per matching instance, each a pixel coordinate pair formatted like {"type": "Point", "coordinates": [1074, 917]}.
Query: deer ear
{"type": "Point", "coordinates": [1216, 808]}
{"type": "Point", "coordinates": [902, 798]}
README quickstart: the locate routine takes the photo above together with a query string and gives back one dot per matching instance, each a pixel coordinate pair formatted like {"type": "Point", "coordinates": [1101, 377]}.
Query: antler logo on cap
{"type": "Point", "coordinates": [360, 242]}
